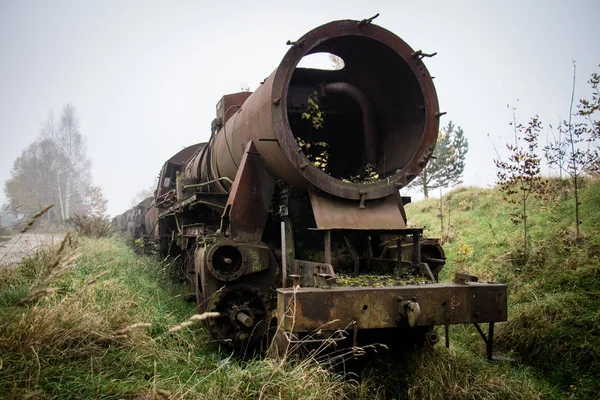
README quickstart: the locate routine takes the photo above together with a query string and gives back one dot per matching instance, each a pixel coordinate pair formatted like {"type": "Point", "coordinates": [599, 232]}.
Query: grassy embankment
{"type": "Point", "coordinates": [554, 292]}
{"type": "Point", "coordinates": [107, 337]}
{"type": "Point", "coordinates": [102, 331]}
{"type": "Point", "coordinates": [88, 338]}
{"type": "Point", "coordinates": [85, 339]}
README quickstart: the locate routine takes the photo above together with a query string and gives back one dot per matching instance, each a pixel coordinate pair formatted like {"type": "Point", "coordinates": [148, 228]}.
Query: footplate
{"type": "Point", "coordinates": [305, 309]}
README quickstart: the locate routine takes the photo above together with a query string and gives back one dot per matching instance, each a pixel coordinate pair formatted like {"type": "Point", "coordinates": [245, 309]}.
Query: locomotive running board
{"type": "Point", "coordinates": [308, 309]}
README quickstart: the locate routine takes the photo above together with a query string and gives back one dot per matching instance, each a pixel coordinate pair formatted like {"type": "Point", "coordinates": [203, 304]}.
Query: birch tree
{"type": "Point", "coordinates": [55, 169]}
{"type": "Point", "coordinates": [70, 144]}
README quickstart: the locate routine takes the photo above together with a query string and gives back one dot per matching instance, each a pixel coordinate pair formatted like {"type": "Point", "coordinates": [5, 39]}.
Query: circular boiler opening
{"type": "Point", "coordinates": [362, 123]}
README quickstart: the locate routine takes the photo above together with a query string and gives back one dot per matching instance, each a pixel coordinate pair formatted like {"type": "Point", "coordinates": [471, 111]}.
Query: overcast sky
{"type": "Point", "coordinates": [145, 76]}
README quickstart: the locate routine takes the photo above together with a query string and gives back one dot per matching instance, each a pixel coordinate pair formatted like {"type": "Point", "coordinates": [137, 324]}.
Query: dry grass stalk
{"type": "Point", "coordinates": [33, 395]}
{"type": "Point", "coordinates": [125, 332]}
{"type": "Point", "coordinates": [35, 295]}
{"type": "Point", "coordinates": [164, 393]}
{"type": "Point", "coordinates": [63, 243]}
{"type": "Point", "coordinates": [325, 357]}
{"type": "Point", "coordinates": [192, 320]}
{"type": "Point", "coordinates": [57, 257]}
{"type": "Point", "coordinates": [35, 217]}
{"type": "Point", "coordinates": [58, 267]}
{"type": "Point", "coordinates": [156, 394]}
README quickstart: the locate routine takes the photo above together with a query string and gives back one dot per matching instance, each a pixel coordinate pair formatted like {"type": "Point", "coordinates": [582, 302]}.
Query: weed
{"type": "Point", "coordinates": [94, 226]}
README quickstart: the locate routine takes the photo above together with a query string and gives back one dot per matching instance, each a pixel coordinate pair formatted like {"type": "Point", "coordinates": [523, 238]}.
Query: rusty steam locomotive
{"type": "Point", "coordinates": [298, 186]}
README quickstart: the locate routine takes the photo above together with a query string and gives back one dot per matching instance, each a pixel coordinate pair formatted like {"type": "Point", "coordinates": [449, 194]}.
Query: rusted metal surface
{"type": "Point", "coordinates": [251, 212]}
{"type": "Point", "coordinates": [307, 308]}
{"type": "Point", "coordinates": [335, 213]}
{"type": "Point", "coordinates": [366, 108]}
{"type": "Point", "coordinates": [168, 174]}
{"type": "Point", "coordinates": [151, 220]}
{"type": "Point", "coordinates": [227, 260]}
{"type": "Point", "coordinates": [397, 88]}
{"type": "Point", "coordinates": [234, 305]}
{"type": "Point", "coordinates": [312, 274]}
{"type": "Point", "coordinates": [250, 197]}
{"type": "Point", "coordinates": [230, 104]}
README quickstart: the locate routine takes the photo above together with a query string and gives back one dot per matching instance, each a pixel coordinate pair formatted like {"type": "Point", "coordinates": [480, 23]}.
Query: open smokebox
{"type": "Point", "coordinates": [373, 124]}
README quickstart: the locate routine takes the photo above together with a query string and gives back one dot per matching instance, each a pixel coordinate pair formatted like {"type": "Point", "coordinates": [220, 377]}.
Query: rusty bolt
{"type": "Point", "coordinates": [297, 43]}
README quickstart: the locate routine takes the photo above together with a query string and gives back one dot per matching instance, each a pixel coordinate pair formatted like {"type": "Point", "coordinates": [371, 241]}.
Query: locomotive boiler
{"type": "Point", "coordinates": [296, 196]}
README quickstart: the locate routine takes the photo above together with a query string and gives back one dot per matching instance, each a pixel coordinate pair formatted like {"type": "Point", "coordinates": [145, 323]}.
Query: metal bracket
{"type": "Point", "coordinates": [489, 340]}
{"type": "Point", "coordinates": [367, 21]}
{"type": "Point", "coordinates": [421, 55]}
{"type": "Point", "coordinates": [464, 279]}
{"type": "Point", "coordinates": [297, 43]}
{"type": "Point", "coordinates": [409, 309]}
{"type": "Point", "coordinates": [312, 274]}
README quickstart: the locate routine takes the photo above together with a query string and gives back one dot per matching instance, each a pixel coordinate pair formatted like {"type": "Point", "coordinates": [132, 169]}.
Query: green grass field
{"type": "Point", "coordinates": [554, 290]}
{"type": "Point", "coordinates": [101, 328]}
{"type": "Point", "coordinates": [109, 339]}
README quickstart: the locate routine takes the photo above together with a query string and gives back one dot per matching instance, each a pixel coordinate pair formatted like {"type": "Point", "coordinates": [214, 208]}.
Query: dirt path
{"type": "Point", "coordinates": [20, 246]}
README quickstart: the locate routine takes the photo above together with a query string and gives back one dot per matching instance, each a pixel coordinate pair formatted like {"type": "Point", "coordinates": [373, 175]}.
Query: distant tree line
{"type": "Point", "coordinates": [55, 170]}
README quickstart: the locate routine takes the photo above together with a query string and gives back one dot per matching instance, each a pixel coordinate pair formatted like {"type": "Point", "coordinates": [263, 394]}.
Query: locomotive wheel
{"type": "Point", "coordinates": [244, 315]}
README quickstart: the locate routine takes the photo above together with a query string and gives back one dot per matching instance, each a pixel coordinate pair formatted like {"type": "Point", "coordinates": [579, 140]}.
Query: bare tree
{"type": "Point", "coordinates": [519, 177]}
{"type": "Point", "coordinates": [55, 169]}
{"type": "Point", "coordinates": [50, 134]}
{"type": "Point", "coordinates": [576, 151]}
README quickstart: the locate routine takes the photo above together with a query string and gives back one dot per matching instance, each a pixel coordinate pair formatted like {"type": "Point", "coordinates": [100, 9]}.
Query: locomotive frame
{"type": "Point", "coordinates": [265, 233]}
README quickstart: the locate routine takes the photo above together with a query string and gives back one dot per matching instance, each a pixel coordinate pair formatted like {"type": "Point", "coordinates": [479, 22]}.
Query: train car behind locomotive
{"type": "Point", "coordinates": [290, 215]}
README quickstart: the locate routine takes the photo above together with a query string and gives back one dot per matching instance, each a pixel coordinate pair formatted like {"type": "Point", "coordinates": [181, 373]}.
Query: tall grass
{"type": "Point", "coordinates": [114, 324]}
{"type": "Point", "coordinates": [94, 226]}
{"type": "Point", "coordinates": [554, 323]}
{"type": "Point", "coordinates": [104, 332]}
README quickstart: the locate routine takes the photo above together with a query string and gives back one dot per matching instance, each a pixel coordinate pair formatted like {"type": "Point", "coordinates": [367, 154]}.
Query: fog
{"type": "Point", "coordinates": [145, 76]}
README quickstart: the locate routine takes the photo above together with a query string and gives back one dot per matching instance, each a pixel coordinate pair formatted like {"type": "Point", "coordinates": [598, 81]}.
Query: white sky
{"type": "Point", "coordinates": [145, 76]}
